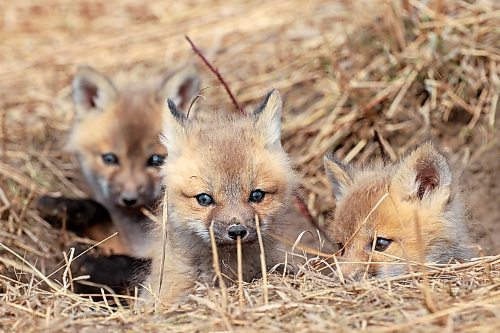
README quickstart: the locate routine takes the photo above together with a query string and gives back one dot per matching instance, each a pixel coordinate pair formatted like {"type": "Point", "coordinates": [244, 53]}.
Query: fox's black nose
{"type": "Point", "coordinates": [236, 230]}
{"type": "Point", "coordinates": [129, 201]}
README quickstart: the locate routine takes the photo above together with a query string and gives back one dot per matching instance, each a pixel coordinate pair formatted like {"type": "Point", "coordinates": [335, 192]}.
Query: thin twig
{"type": "Point", "coordinates": [164, 225]}
{"type": "Point", "coordinates": [192, 103]}
{"type": "Point", "coordinates": [216, 265]}
{"type": "Point", "coordinates": [67, 271]}
{"type": "Point", "coordinates": [240, 272]}
{"type": "Point", "coordinates": [428, 299]}
{"type": "Point", "coordinates": [385, 149]}
{"type": "Point", "coordinates": [79, 255]}
{"type": "Point", "coordinates": [263, 264]}
{"type": "Point", "coordinates": [370, 256]}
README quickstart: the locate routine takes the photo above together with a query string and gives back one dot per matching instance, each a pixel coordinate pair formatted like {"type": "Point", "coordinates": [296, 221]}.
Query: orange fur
{"type": "Point", "coordinates": [125, 122]}
{"type": "Point", "coordinates": [415, 193]}
{"type": "Point", "coordinates": [226, 158]}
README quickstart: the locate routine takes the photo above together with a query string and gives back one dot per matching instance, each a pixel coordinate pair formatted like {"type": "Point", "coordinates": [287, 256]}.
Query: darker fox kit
{"type": "Point", "coordinates": [390, 213]}
{"type": "Point", "coordinates": [222, 172]}
{"type": "Point", "coordinates": [115, 138]}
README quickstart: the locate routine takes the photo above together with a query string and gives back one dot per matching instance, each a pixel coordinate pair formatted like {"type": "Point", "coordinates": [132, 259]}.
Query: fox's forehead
{"type": "Point", "coordinates": [223, 131]}
{"type": "Point", "coordinates": [229, 143]}
{"type": "Point", "coordinates": [363, 208]}
{"type": "Point", "coordinates": [131, 126]}
{"type": "Point", "coordinates": [228, 157]}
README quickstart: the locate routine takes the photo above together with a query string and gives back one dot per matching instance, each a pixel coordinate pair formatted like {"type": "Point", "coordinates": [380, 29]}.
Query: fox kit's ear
{"type": "Point", "coordinates": [180, 87]}
{"type": "Point", "coordinates": [92, 90]}
{"type": "Point", "coordinates": [423, 175]}
{"type": "Point", "coordinates": [268, 118]}
{"type": "Point", "coordinates": [173, 127]}
{"type": "Point", "coordinates": [338, 174]}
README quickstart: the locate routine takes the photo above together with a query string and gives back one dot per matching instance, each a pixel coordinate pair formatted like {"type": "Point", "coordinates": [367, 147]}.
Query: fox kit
{"type": "Point", "coordinates": [385, 212]}
{"type": "Point", "coordinates": [115, 138]}
{"type": "Point", "coordinates": [221, 172]}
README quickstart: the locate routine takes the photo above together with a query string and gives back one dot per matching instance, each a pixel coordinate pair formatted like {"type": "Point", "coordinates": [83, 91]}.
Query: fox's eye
{"type": "Point", "coordinates": [155, 160]}
{"type": "Point", "coordinates": [110, 158]}
{"type": "Point", "coordinates": [204, 199]}
{"type": "Point", "coordinates": [256, 196]}
{"type": "Point", "coordinates": [381, 244]}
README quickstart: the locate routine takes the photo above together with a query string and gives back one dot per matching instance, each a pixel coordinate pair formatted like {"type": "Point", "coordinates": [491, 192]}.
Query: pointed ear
{"type": "Point", "coordinates": [180, 87]}
{"type": "Point", "coordinates": [339, 175]}
{"type": "Point", "coordinates": [92, 90]}
{"type": "Point", "coordinates": [268, 118]}
{"type": "Point", "coordinates": [423, 174]}
{"type": "Point", "coordinates": [173, 127]}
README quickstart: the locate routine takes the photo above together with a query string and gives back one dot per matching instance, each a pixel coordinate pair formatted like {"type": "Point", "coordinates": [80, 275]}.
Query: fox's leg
{"type": "Point", "coordinates": [79, 214]}
{"type": "Point", "coordinates": [281, 258]}
{"type": "Point", "coordinates": [178, 278]}
{"type": "Point", "coordinates": [85, 217]}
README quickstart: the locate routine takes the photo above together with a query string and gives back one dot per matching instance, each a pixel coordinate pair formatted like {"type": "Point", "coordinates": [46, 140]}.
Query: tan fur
{"type": "Point", "coordinates": [126, 122]}
{"type": "Point", "coordinates": [420, 194]}
{"type": "Point", "coordinates": [130, 128]}
{"type": "Point", "coordinates": [226, 157]}
{"type": "Point", "coordinates": [113, 245]}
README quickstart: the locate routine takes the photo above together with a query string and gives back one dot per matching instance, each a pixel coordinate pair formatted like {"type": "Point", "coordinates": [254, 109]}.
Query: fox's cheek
{"type": "Point", "coordinates": [100, 177]}
{"type": "Point", "coordinates": [154, 184]}
{"type": "Point", "coordinates": [401, 251]}
{"type": "Point", "coordinates": [392, 261]}
{"type": "Point", "coordinates": [103, 187]}
{"type": "Point", "coordinates": [388, 268]}
{"type": "Point", "coordinates": [352, 271]}
{"type": "Point", "coordinates": [154, 174]}
{"type": "Point", "coordinates": [157, 189]}
{"type": "Point", "coordinates": [97, 166]}
{"type": "Point", "coordinates": [190, 210]}
{"type": "Point", "coordinates": [271, 204]}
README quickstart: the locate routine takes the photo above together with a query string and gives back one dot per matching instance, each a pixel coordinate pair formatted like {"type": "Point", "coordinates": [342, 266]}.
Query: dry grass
{"type": "Point", "coordinates": [406, 70]}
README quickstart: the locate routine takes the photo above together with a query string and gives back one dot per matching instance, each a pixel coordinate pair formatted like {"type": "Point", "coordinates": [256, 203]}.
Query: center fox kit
{"type": "Point", "coordinates": [221, 172]}
{"type": "Point", "coordinates": [409, 210]}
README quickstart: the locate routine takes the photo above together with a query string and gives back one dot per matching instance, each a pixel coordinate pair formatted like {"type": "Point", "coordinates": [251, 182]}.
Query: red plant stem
{"type": "Point", "coordinates": [216, 72]}
{"type": "Point", "coordinates": [302, 207]}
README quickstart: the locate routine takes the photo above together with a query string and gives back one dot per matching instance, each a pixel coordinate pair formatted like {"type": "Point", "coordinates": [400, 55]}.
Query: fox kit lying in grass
{"type": "Point", "coordinates": [116, 139]}
{"type": "Point", "coordinates": [385, 212]}
{"type": "Point", "coordinates": [222, 172]}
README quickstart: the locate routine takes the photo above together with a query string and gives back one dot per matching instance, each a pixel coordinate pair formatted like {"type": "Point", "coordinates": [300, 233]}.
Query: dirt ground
{"type": "Point", "coordinates": [481, 181]}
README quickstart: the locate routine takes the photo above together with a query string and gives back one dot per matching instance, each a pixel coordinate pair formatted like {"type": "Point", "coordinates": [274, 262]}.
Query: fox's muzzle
{"type": "Point", "coordinates": [237, 230]}
{"type": "Point", "coordinates": [227, 232]}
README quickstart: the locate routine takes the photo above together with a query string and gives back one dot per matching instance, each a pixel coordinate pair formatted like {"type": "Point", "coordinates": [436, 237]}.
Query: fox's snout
{"type": "Point", "coordinates": [228, 230]}
{"type": "Point", "coordinates": [129, 198]}
{"type": "Point", "coordinates": [237, 230]}
{"type": "Point", "coordinates": [352, 271]}
{"type": "Point", "coordinates": [132, 194]}
{"type": "Point", "coordinates": [233, 221]}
